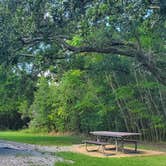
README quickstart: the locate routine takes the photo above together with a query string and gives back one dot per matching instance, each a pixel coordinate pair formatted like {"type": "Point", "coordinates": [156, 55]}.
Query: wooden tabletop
{"type": "Point", "coordinates": [113, 134]}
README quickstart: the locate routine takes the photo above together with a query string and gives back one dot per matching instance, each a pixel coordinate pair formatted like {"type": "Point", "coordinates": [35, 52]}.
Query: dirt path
{"type": "Point", "coordinates": [129, 152]}
{"type": "Point", "coordinates": [19, 154]}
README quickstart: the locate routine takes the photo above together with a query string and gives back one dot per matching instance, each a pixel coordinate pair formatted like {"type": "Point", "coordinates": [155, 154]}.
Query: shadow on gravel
{"type": "Point", "coordinates": [8, 151]}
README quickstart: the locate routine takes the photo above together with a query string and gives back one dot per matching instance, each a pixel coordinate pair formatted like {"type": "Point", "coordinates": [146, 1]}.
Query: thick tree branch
{"type": "Point", "coordinates": [107, 50]}
{"type": "Point", "coordinates": [144, 58]}
{"type": "Point", "coordinates": [116, 47]}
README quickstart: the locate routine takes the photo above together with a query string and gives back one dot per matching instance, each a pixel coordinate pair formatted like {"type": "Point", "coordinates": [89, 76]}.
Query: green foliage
{"type": "Point", "coordinates": [12, 97]}
{"type": "Point", "coordinates": [70, 105]}
{"type": "Point", "coordinates": [42, 105]}
{"type": "Point", "coordinates": [76, 41]}
{"type": "Point", "coordinates": [124, 92]}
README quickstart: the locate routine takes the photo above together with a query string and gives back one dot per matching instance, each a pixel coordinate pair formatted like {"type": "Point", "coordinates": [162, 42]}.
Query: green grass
{"type": "Point", "coordinates": [159, 146]}
{"type": "Point", "coordinates": [83, 160]}
{"type": "Point", "coordinates": [40, 139]}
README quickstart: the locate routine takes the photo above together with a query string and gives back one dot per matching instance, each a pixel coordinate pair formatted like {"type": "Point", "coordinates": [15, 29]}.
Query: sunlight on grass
{"type": "Point", "coordinates": [83, 160]}
{"type": "Point", "coordinates": [40, 139]}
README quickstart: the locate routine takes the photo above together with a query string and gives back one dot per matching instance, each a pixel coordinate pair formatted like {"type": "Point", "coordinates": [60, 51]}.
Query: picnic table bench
{"type": "Point", "coordinates": [99, 143]}
{"type": "Point", "coordinates": [117, 136]}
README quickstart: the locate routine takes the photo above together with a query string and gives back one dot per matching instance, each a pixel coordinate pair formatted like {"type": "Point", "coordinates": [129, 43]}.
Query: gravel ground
{"type": "Point", "coordinates": [19, 154]}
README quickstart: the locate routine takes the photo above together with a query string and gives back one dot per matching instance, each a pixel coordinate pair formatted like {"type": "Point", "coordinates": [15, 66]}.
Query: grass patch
{"type": "Point", "coordinates": [83, 160]}
{"type": "Point", "coordinates": [39, 139]}
{"type": "Point", "coordinates": [156, 146]}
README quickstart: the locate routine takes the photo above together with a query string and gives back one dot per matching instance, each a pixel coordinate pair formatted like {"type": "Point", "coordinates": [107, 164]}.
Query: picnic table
{"type": "Point", "coordinates": [117, 136]}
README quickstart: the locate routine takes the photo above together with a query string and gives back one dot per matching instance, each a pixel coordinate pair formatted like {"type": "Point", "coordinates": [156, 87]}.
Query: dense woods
{"type": "Point", "coordinates": [83, 65]}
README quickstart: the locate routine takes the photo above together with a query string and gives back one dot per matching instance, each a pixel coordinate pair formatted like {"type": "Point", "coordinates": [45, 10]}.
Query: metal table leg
{"type": "Point", "coordinates": [116, 144]}
{"type": "Point", "coordinates": [122, 145]}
